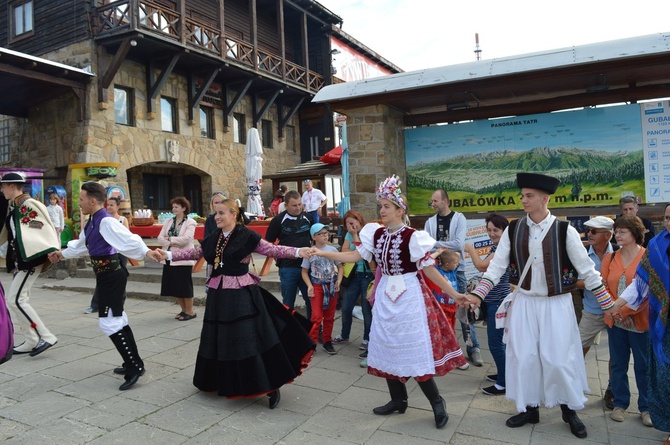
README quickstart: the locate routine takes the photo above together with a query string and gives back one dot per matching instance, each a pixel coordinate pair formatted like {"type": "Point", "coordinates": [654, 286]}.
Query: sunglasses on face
{"type": "Point", "coordinates": [596, 231]}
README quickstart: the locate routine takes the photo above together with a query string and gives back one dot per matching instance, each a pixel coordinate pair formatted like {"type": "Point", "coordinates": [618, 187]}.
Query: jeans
{"type": "Point", "coordinates": [496, 345]}
{"type": "Point", "coordinates": [621, 344]}
{"type": "Point", "coordinates": [290, 279]}
{"type": "Point", "coordinates": [358, 286]}
{"type": "Point", "coordinates": [315, 216]}
{"type": "Point", "coordinates": [469, 331]}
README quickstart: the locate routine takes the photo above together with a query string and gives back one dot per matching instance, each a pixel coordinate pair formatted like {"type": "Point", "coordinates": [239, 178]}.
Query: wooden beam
{"type": "Point", "coordinates": [259, 112]}
{"type": "Point", "coordinates": [254, 31]}
{"type": "Point", "coordinates": [283, 121]}
{"type": "Point", "coordinates": [153, 88]}
{"type": "Point", "coordinates": [305, 48]}
{"type": "Point", "coordinates": [282, 37]}
{"type": "Point", "coordinates": [222, 27]}
{"type": "Point", "coordinates": [229, 107]}
{"type": "Point", "coordinates": [119, 57]}
{"type": "Point", "coordinates": [195, 96]}
{"type": "Point", "coordinates": [36, 75]}
{"type": "Point", "coordinates": [182, 21]}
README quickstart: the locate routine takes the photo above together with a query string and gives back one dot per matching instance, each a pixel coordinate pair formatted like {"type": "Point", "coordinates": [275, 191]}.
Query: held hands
{"type": "Point", "coordinates": [156, 255]}
{"type": "Point", "coordinates": [55, 257]}
{"type": "Point", "coordinates": [305, 252]}
{"type": "Point", "coordinates": [615, 311]}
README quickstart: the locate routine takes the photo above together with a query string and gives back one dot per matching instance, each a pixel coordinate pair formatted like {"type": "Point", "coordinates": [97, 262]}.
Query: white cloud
{"type": "Point", "coordinates": [420, 34]}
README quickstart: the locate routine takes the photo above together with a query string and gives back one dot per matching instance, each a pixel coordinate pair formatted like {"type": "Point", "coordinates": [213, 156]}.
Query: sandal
{"type": "Point", "coordinates": [187, 317]}
{"type": "Point", "coordinates": [179, 315]}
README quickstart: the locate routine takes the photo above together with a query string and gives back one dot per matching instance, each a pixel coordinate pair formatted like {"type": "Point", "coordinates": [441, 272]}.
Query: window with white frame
{"type": "Point", "coordinates": [124, 107]}
{"type": "Point", "coordinates": [169, 115]}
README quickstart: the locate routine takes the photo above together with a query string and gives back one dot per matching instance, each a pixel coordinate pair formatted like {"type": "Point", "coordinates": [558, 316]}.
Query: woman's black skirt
{"type": "Point", "coordinates": [177, 281]}
{"type": "Point", "coordinates": [250, 343]}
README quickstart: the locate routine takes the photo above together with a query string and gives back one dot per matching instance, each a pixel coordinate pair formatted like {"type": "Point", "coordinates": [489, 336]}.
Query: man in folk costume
{"type": "Point", "coordinates": [544, 360]}
{"type": "Point", "coordinates": [103, 239]}
{"type": "Point", "coordinates": [27, 237]}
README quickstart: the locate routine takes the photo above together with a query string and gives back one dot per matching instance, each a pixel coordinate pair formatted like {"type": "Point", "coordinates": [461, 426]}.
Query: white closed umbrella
{"type": "Point", "coordinates": [254, 172]}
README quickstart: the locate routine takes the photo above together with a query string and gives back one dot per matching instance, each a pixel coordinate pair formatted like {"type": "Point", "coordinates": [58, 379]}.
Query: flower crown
{"type": "Point", "coordinates": [390, 189]}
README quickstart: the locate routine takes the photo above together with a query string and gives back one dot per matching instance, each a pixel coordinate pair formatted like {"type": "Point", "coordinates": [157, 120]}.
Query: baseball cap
{"type": "Point", "coordinates": [316, 228]}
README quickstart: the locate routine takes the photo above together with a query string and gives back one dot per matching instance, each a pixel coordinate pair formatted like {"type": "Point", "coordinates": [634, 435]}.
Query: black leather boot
{"type": "Point", "coordinates": [123, 368]}
{"type": "Point", "coordinates": [126, 346]}
{"type": "Point", "coordinates": [431, 392]}
{"type": "Point", "coordinates": [274, 397]}
{"type": "Point", "coordinates": [576, 426]}
{"type": "Point", "coordinates": [532, 415]}
{"type": "Point", "coordinates": [398, 401]}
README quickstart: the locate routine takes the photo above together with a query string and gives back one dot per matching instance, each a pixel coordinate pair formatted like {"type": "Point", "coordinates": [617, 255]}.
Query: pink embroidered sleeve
{"type": "Point", "coordinates": [186, 254]}
{"type": "Point", "coordinates": [274, 250]}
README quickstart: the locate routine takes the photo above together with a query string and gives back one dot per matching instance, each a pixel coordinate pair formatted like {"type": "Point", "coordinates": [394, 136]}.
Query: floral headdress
{"type": "Point", "coordinates": [390, 189]}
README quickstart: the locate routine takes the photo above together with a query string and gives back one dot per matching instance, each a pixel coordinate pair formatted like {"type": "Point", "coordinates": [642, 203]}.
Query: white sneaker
{"type": "Point", "coordinates": [464, 367]}
{"type": "Point", "coordinates": [364, 345]}
{"type": "Point", "coordinates": [476, 357]}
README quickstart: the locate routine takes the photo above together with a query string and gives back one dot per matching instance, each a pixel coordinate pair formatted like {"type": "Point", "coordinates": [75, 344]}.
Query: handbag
{"type": "Point", "coordinates": [372, 287]}
{"type": "Point", "coordinates": [6, 330]}
{"type": "Point", "coordinates": [349, 274]}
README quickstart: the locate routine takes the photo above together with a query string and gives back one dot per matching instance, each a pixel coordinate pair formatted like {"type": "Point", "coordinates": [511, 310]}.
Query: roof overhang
{"type": "Point", "coordinates": [626, 70]}
{"type": "Point", "coordinates": [27, 81]}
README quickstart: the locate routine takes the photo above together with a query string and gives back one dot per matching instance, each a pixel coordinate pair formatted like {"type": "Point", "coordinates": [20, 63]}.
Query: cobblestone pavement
{"type": "Point", "coordinates": [69, 394]}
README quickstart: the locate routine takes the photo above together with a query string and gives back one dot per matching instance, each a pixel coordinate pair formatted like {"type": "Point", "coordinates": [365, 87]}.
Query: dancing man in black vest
{"type": "Point", "coordinates": [103, 239]}
{"type": "Point", "coordinates": [544, 360]}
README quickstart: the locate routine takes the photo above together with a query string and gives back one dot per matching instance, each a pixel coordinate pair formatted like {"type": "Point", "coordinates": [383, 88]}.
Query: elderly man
{"type": "Point", "coordinates": [599, 232]}
{"type": "Point", "coordinates": [628, 205]}
{"type": "Point", "coordinates": [545, 256]}
{"type": "Point", "coordinates": [313, 199]}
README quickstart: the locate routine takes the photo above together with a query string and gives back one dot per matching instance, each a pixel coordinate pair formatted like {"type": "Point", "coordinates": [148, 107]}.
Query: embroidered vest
{"type": "Point", "coordinates": [560, 273]}
{"type": "Point", "coordinates": [97, 246]}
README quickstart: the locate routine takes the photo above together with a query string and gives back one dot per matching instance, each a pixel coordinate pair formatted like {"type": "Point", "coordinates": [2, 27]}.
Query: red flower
{"type": "Point", "coordinates": [33, 214]}
{"type": "Point", "coordinates": [25, 220]}
{"type": "Point", "coordinates": [23, 209]}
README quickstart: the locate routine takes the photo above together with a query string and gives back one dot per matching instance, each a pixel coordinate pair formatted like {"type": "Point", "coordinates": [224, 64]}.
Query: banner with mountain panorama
{"type": "Point", "coordinates": [596, 152]}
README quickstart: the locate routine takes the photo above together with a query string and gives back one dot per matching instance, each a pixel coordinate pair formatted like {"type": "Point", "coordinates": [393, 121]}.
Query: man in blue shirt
{"type": "Point", "coordinates": [599, 232]}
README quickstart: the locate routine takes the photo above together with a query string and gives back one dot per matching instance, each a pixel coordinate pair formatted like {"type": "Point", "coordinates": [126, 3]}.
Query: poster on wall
{"type": "Point", "coordinates": [656, 142]}
{"type": "Point", "coordinates": [596, 152]}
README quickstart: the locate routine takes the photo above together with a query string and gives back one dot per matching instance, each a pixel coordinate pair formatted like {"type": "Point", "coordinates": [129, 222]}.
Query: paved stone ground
{"type": "Point", "coordinates": [69, 395]}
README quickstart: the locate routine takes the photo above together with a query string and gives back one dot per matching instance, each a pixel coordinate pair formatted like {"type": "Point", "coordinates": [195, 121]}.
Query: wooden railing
{"type": "Point", "coordinates": [145, 15]}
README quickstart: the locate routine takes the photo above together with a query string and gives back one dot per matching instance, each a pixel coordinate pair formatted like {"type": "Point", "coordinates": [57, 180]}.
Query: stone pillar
{"type": "Point", "coordinates": [376, 140]}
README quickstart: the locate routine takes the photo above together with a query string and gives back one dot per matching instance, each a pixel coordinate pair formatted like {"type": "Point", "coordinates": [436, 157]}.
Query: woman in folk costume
{"type": "Point", "coordinates": [250, 344]}
{"type": "Point", "coordinates": [410, 336]}
{"type": "Point", "coordinates": [652, 284]}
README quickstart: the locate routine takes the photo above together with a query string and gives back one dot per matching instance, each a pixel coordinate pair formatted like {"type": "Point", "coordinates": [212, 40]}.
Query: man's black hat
{"type": "Point", "coordinates": [537, 181]}
{"type": "Point", "coordinates": [13, 178]}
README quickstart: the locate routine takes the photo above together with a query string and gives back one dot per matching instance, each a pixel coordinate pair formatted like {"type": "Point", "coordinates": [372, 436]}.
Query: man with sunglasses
{"type": "Point", "coordinates": [599, 233]}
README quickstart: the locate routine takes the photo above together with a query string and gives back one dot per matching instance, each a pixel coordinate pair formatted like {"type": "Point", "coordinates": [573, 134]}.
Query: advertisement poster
{"type": "Point", "coordinates": [476, 235]}
{"type": "Point", "coordinates": [596, 152]}
{"type": "Point", "coordinates": [656, 142]}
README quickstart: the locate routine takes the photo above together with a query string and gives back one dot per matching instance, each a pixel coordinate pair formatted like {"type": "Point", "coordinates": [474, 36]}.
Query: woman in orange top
{"type": "Point", "coordinates": [628, 332]}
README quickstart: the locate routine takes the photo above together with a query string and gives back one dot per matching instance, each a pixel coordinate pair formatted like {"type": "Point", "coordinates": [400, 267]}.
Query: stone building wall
{"type": "Point", "coordinates": [52, 137]}
{"type": "Point", "coordinates": [376, 150]}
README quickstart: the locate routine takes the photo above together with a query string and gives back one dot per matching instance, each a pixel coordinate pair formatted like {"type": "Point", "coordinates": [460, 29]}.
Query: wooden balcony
{"type": "Point", "coordinates": [119, 17]}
